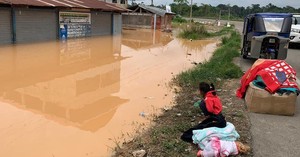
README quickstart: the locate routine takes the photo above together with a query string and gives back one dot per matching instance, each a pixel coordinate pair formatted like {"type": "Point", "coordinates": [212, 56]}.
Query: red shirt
{"type": "Point", "coordinates": [213, 103]}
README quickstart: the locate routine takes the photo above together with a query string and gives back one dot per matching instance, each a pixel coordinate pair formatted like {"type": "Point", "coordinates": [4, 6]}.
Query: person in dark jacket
{"type": "Point", "coordinates": [211, 106]}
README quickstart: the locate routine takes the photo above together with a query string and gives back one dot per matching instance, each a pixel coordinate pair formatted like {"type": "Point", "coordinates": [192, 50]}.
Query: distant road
{"type": "Point", "coordinates": [293, 54]}
{"type": "Point", "coordinates": [238, 24]}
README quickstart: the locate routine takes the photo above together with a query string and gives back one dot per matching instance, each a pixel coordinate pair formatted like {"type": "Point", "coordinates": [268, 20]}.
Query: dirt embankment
{"type": "Point", "coordinates": [163, 139]}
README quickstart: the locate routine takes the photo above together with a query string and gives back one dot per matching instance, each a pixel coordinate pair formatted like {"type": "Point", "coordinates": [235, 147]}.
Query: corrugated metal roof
{"type": "Point", "coordinates": [87, 4]}
{"type": "Point", "coordinates": [158, 11]}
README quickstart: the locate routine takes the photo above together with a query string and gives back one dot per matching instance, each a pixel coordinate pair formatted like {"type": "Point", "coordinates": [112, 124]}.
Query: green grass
{"type": "Point", "coordinates": [167, 138]}
{"type": "Point", "coordinates": [194, 32]}
{"type": "Point", "coordinates": [197, 31]}
{"type": "Point", "coordinates": [179, 19]}
{"type": "Point", "coordinates": [223, 31]}
{"type": "Point", "coordinates": [219, 66]}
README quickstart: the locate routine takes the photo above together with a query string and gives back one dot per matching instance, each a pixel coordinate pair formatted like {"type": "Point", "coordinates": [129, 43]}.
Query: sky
{"type": "Point", "coordinates": [245, 3]}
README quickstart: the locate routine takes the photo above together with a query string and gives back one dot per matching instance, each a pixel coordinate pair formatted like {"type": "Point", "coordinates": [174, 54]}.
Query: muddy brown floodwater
{"type": "Point", "coordinates": [79, 97]}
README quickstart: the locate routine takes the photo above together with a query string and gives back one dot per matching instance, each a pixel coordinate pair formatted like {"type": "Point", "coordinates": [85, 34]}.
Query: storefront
{"type": "Point", "coordinates": [37, 21]}
{"type": "Point", "coordinates": [74, 25]}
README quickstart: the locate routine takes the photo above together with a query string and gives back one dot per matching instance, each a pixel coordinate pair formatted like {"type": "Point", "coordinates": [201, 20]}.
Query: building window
{"type": "Point", "coordinates": [123, 1]}
{"type": "Point", "coordinates": [115, 1]}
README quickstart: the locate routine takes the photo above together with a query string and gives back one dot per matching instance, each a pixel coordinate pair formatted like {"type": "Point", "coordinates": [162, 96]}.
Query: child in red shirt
{"type": "Point", "coordinates": [211, 106]}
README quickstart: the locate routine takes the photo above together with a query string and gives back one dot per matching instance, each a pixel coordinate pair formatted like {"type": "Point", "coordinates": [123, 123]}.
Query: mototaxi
{"type": "Point", "coordinates": [266, 35]}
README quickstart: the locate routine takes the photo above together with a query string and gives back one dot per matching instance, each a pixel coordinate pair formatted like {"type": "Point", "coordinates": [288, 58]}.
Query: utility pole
{"type": "Point", "coordinates": [228, 24]}
{"type": "Point", "coordinates": [229, 14]}
{"type": "Point", "coordinates": [191, 13]}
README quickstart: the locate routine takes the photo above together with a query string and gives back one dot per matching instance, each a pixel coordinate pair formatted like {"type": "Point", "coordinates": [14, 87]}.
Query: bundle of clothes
{"type": "Point", "coordinates": [271, 75]}
{"type": "Point", "coordinates": [214, 136]}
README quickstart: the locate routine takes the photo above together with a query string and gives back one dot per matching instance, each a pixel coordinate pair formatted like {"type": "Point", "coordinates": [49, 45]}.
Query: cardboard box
{"type": "Point", "coordinates": [261, 101]}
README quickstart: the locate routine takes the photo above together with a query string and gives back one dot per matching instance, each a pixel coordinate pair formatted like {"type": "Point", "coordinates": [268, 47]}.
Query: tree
{"type": "Point", "coordinates": [236, 11]}
{"type": "Point", "coordinates": [222, 7]}
{"type": "Point", "coordinates": [256, 8]}
{"type": "Point", "coordinates": [272, 8]}
{"type": "Point", "coordinates": [206, 10]}
{"type": "Point", "coordinates": [180, 3]}
{"type": "Point", "coordinates": [289, 9]}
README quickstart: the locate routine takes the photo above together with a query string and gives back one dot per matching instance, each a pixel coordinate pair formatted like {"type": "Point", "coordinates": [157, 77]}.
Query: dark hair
{"type": "Point", "coordinates": [205, 87]}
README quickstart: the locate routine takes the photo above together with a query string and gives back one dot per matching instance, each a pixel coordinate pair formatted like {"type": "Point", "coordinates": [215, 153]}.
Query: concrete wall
{"type": "Point", "coordinates": [143, 20]}
{"type": "Point", "coordinates": [137, 20]}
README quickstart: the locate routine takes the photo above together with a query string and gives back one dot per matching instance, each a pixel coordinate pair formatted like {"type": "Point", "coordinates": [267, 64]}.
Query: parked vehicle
{"type": "Point", "coordinates": [266, 35]}
{"type": "Point", "coordinates": [295, 31]}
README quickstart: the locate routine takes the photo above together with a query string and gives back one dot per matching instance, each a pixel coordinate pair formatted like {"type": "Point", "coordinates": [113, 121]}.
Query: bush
{"type": "Point", "coordinates": [194, 32]}
{"type": "Point", "coordinates": [197, 31]}
{"type": "Point", "coordinates": [179, 19]}
{"type": "Point", "coordinates": [225, 40]}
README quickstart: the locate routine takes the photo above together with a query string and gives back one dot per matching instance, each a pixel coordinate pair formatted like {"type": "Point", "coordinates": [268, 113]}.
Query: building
{"type": "Point", "coordinates": [121, 3]}
{"type": "Point", "coordinates": [41, 20]}
{"type": "Point", "coordinates": [143, 16]}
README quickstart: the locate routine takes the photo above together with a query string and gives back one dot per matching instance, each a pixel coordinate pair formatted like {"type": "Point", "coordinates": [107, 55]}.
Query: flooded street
{"type": "Point", "coordinates": [80, 97]}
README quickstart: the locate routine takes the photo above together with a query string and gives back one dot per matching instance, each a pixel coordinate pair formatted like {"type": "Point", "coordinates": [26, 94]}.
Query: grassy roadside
{"type": "Point", "coordinates": [219, 67]}
{"type": "Point", "coordinates": [163, 139]}
{"type": "Point", "coordinates": [197, 31]}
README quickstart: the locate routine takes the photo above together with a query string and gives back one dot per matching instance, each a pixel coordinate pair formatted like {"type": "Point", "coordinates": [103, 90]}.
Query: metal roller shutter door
{"type": "Point", "coordinates": [35, 25]}
{"type": "Point", "coordinates": [5, 26]}
{"type": "Point", "coordinates": [101, 23]}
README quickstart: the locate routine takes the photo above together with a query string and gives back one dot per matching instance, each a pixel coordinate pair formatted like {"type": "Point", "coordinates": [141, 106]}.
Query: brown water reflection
{"type": "Point", "coordinates": [71, 98]}
{"type": "Point", "coordinates": [145, 38]}
{"type": "Point", "coordinates": [72, 80]}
